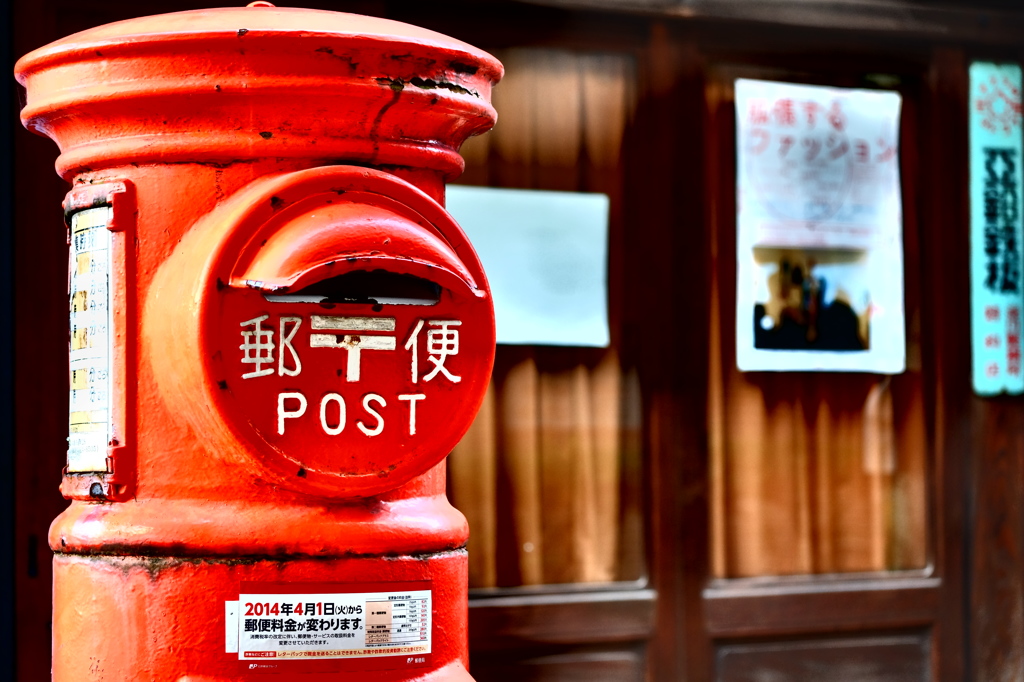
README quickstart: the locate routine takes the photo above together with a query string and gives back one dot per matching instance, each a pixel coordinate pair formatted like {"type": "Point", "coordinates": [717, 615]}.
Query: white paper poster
{"type": "Point", "coordinates": [819, 229]}
{"type": "Point", "coordinates": [348, 630]}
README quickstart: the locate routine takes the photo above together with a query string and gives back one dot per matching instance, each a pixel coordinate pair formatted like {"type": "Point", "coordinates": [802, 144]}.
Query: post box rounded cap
{"type": "Point", "coordinates": [238, 84]}
{"type": "Point", "coordinates": [249, 22]}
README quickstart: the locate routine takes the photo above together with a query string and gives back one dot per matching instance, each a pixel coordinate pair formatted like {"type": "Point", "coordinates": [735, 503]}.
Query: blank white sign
{"type": "Point", "coordinates": [546, 258]}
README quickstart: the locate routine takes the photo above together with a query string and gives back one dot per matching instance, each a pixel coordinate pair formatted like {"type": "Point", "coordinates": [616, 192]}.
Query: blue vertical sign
{"type": "Point", "coordinates": [997, 289]}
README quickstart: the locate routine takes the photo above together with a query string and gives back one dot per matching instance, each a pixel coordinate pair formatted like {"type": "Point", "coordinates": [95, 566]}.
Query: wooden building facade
{"type": "Point", "coordinates": [646, 511]}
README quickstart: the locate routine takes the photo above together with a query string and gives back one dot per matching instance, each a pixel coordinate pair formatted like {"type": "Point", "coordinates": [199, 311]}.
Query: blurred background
{"type": "Point", "coordinates": [643, 510]}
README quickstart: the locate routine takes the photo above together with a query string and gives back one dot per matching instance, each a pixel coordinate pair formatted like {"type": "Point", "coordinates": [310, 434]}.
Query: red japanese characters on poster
{"type": "Point", "coordinates": [819, 229]}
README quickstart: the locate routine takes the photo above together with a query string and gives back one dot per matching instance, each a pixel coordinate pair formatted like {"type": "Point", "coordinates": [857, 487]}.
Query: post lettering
{"type": "Point", "coordinates": [413, 398]}
{"type": "Point", "coordinates": [367, 399]}
{"type": "Point", "coordinates": [283, 414]}
{"type": "Point", "coordinates": [332, 430]}
{"type": "Point", "coordinates": [286, 337]}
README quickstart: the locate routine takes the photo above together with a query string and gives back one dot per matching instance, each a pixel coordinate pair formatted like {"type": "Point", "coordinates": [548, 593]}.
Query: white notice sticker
{"type": "Point", "coordinates": [326, 625]}
{"type": "Point", "coordinates": [90, 316]}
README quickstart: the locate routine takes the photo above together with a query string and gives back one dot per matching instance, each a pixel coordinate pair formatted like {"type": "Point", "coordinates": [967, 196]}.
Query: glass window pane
{"type": "Point", "coordinates": [549, 475]}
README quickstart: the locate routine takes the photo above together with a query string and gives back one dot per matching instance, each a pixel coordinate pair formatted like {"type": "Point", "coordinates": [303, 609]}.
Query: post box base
{"type": "Point", "coordinates": [454, 672]}
{"type": "Point", "coordinates": [165, 618]}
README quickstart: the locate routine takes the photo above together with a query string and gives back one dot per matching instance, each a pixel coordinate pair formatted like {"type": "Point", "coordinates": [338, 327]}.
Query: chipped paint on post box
{"type": "Point", "coordinates": [297, 334]}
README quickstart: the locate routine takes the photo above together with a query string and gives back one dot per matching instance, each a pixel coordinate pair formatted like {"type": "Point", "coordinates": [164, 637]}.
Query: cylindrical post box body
{"type": "Point", "coordinates": [277, 335]}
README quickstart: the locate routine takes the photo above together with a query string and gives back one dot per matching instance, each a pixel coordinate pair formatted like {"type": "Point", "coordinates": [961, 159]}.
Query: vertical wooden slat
{"type": "Point", "coordinates": [824, 516]}
{"type": "Point", "coordinates": [717, 457]}
{"type": "Point", "coordinates": [851, 510]}
{"type": "Point", "coordinates": [556, 438]}
{"type": "Point", "coordinates": [785, 523]}
{"type": "Point", "coordinates": [747, 506]}
{"type": "Point", "coordinates": [605, 383]}
{"type": "Point", "coordinates": [631, 564]}
{"type": "Point", "coordinates": [513, 137]}
{"type": "Point", "coordinates": [557, 118]}
{"type": "Point", "coordinates": [605, 107]}
{"type": "Point", "coordinates": [520, 465]}
{"type": "Point", "coordinates": [718, 469]}
{"type": "Point", "coordinates": [567, 477]}
{"type": "Point", "coordinates": [584, 493]}
{"type": "Point", "coordinates": [803, 548]}
{"type": "Point", "coordinates": [472, 474]}
{"type": "Point", "coordinates": [908, 544]}
{"type": "Point", "coordinates": [779, 522]}
{"type": "Point", "coordinates": [878, 463]}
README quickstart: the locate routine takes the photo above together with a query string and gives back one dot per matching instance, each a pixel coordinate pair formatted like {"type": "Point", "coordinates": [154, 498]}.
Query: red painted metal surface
{"type": "Point", "coordinates": [300, 335]}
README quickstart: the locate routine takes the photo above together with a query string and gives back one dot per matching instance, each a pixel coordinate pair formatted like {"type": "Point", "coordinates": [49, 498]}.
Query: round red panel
{"type": "Point", "coordinates": [349, 331]}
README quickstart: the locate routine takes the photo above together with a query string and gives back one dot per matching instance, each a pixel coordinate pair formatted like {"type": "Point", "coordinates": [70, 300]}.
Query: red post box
{"type": "Point", "coordinates": [277, 335]}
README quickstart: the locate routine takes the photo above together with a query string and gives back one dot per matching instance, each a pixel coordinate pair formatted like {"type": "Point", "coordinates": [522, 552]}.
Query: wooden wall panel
{"type": "Point", "coordinates": [997, 547]}
{"type": "Point", "coordinates": [758, 608]}
{"type": "Point", "coordinates": [894, 658]}
{"type": "Point", "coordinates": [511, 620]}
{"type": "Point", "coordinates": [604, 665]}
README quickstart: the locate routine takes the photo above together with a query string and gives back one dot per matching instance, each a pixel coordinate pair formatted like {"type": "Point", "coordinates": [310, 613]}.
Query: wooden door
{"type": "Point", "coordinates": [811, 524]}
